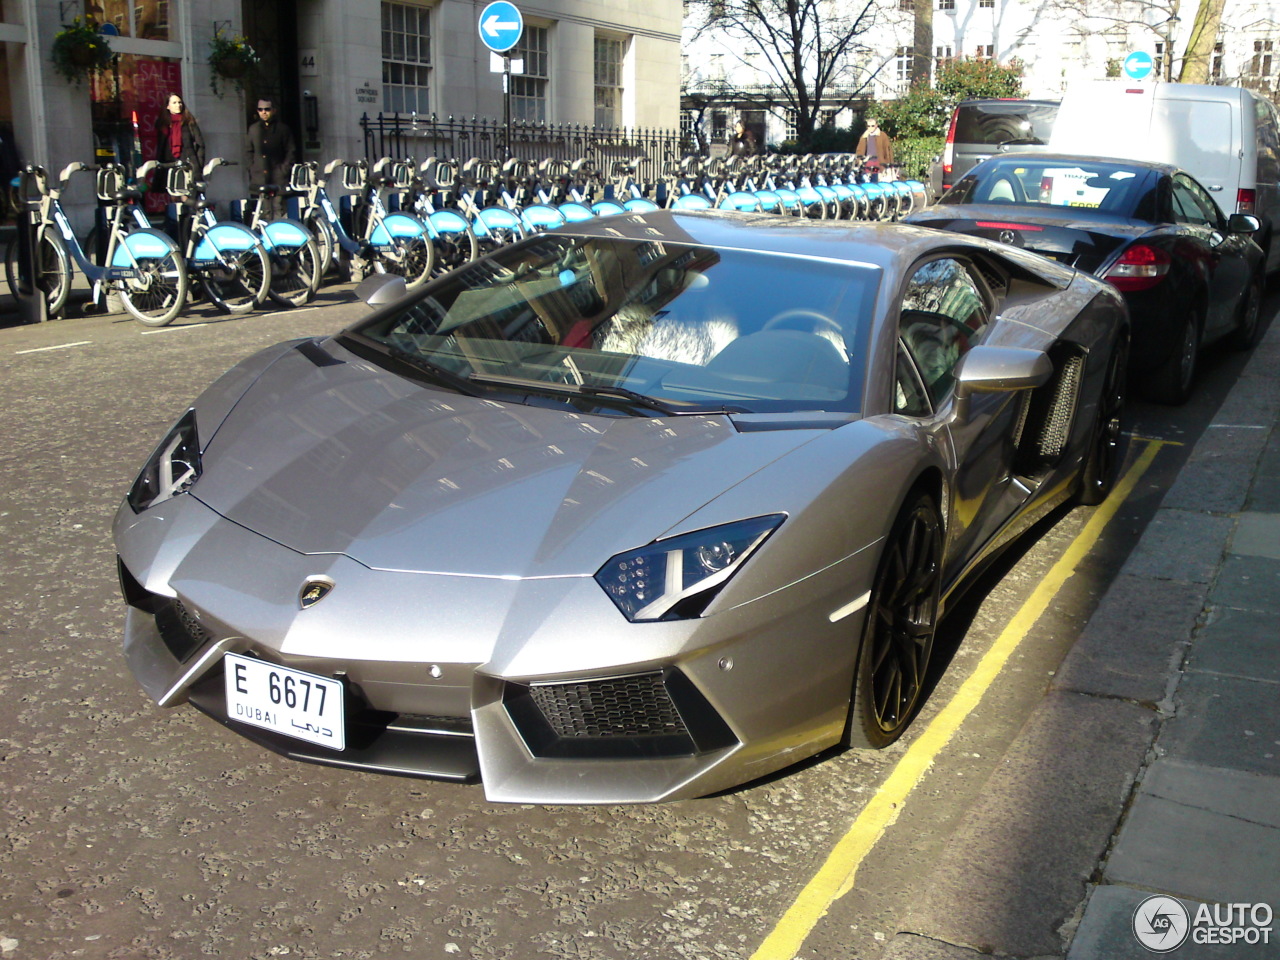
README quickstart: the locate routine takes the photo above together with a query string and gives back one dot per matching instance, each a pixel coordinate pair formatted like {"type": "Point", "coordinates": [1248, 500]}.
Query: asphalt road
{"type": "Point", "coordinates": [135, 832]}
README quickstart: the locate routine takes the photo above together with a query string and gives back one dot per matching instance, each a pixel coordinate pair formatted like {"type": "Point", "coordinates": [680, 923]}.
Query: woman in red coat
{"type": "Point", "coordinates": [178, 136]}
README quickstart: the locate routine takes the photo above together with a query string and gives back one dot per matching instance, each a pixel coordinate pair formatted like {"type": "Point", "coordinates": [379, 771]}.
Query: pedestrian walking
{"type": "Point", "coordinates": [178, 136]}
{"type": "Point", "coordinates": [269, 147]}
{"type": "Point", "coordinates": [743, 142]}
{"type": "Point", "coordinates": [875, 146]}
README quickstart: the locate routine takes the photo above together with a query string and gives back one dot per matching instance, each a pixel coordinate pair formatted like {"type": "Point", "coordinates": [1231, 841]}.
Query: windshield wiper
{"type": "Point", "coordinates": [438, 374]}
{"type": "Point", "coordinates": [1035, 141]}
{"type": "Point", "coordinates": [605, 393]}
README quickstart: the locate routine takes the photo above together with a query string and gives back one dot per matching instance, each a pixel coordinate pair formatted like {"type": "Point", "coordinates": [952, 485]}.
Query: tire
{"type": "Point", "coordinates": [326, 240]}
{"type": "Point", "coordinates": [453, 249]}
{"type": "Point", "coordinates": [901, 619]}
{"type": "Point", "coordinates": [1249, 324]}
{"type": "Point", "coordinates": [53, 270]}
{"type": "Point", "coordinates": [295, 274]}
{"type": "Point", "coordinates": [1106, 440]}
{"type": "Point", "coordinates": [242, 284]}
{"type": "Point", "coordinates": [415, 258]}
{"type": "Point", "coordinates": [1172, 381]}
{"type": "Point", "coordinates": [158, 298]}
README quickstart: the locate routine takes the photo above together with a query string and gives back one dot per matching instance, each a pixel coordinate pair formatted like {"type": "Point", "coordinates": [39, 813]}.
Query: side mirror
{"type": "Point", "coordinates": [1243, 223]}
{"type": "Point", "coordinates": [999, 370]}
{"type": "Point", "coordinates": [379, 289]}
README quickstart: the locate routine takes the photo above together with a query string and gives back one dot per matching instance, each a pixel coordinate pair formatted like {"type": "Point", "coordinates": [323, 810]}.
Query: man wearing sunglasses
{"type": "Point", "coordinates": [269, 146]}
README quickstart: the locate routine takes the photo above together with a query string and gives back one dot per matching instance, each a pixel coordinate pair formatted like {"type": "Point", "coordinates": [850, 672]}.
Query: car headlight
{"type": "Point", "coordinates": [675, 579]}
{"type": "Point", "coordinates": [172, 469]}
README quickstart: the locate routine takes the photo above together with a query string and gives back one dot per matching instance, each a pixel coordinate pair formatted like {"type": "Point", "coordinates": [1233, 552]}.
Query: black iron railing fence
{"type": "Point", "coordinates": [404, 135]}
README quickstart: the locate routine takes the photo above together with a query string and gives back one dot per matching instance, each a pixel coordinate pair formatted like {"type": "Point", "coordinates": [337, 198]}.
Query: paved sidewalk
{"type": "Point", "coordinates": [1152, 767]}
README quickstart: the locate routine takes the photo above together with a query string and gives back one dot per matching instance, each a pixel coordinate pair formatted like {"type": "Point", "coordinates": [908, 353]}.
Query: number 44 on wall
{"type": "Point", "coordinates": [307, 63]}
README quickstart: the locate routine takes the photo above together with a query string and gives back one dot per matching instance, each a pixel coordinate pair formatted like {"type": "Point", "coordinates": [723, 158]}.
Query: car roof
{"type": "Point", "coordinates": [1039, 157]}
{"type": "Point", "coordinates": [873, 244]}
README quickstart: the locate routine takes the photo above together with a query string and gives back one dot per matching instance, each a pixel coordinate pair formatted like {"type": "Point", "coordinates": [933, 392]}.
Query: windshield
{"type": "Point", "coordinates": [1004, 122]}
{"type": "Point", "coordinates": [1118, 189]}
{"type": "Point", "coordinates": [692, 327]}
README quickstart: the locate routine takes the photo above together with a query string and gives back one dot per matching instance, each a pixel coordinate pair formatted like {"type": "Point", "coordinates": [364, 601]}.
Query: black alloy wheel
{"type": "Point", "coordinates": [1245, 335]}
{"type": "Point", "coordinates": [1172, 381]}
{"type": "Point", "coordinates": [1105, 447]}
{"type": "Point", "coordinates": [901, 619]}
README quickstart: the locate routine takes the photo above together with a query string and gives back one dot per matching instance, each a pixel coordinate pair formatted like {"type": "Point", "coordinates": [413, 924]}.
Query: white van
{"type": "Point", "coordinates": [1228, 138]}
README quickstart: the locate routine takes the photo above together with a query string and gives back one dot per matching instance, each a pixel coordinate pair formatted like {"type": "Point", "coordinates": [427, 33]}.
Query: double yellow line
{"type": "Point", "coordinates": [836, 876]}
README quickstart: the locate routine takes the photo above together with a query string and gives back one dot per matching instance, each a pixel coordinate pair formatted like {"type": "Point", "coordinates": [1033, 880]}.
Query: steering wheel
{"type": "Point", "coordinates": [808, 321]}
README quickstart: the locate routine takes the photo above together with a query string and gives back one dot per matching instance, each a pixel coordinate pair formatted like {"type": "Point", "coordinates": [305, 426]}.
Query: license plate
{"type": "Point", "coordinates": [288, 701]}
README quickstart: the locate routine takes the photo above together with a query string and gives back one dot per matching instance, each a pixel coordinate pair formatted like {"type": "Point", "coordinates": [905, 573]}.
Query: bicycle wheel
{"type": "Point", "coordinates": [295, 274]}
{"type": "Point", "coordinates": [326, 240]}
{"type": "Point", "coordinates": [159, 294]}
{"type": "Point", "coordinates": [412, 258]}
{"type": "Point", "coordinates": [234, 269]}
{"type": "Point", "coordinates": [52, 267]}
{"type": "Point", "coordinates": [454, 242]}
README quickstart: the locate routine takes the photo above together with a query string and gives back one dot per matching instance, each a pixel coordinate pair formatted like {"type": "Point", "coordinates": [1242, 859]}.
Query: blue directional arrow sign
{"type": "Point", "coordinates": [1138, 65]}
{"type": "Point", "coordinates": [501, 26]}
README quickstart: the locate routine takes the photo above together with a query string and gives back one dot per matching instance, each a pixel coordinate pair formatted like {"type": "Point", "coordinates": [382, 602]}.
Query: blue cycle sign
{"type": "Point", "coordinates": [1138, 65]}
{"type": "Point", "coordinates": [501, 26]}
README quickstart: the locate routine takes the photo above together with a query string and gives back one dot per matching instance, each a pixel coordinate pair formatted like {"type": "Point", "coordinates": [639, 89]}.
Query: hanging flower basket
{"type": "Point", "coordinates": [79, 50]}
{"type": "Point", "coordinates": [230, 58]}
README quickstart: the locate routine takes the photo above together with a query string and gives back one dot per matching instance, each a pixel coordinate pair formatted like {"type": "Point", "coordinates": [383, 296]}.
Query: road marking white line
{"type": "Point", "coordinates": [60, 346]}
{"type": "Point", "coordinates": [185, 326]}
{"type": "Point", "coordinates": [1238, 426]}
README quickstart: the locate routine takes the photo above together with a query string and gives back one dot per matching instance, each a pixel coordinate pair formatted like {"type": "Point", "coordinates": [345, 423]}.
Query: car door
{"type": "Point", "coordinates": [1220, 256]}
{"type": "Point", "coordinates": [945, 311]}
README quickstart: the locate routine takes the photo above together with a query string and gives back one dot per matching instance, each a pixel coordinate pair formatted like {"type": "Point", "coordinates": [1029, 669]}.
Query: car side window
{"type": "Point", "coordinates": [1192, 205]}
{"type": "Point", "coordinates": [909, 397]}
{"type": "Point", "coordinates": [943, 316]}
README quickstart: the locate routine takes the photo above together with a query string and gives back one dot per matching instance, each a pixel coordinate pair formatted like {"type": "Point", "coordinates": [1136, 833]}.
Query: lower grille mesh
{"type": "Point", "coordinates": [635, 706]}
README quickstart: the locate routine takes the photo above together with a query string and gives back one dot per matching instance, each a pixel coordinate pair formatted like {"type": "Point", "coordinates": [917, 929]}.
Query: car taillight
{"type": "Point", "coordinates": [949, 150]}
{"type": "Point", "coordinates": [1245, 200]}
{"type": "Point", "coordinates": [1140, 268]}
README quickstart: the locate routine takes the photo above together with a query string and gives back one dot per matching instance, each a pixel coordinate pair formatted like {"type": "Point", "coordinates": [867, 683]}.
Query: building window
{"type": "Point", "coordinates": [529, 91]}
{"type": "Point", "coordinates": [907, 5]}
{"type": "Point", "coordinates": [791, 120]}
{"type": "Point", "coordinates": [1157, 70]}
{"type": "Point", "coordinates": [146, 21]}
{"type": "Point", "coordinates": [990, 4]}
{"type": "Point", "coordinates": [719, 126]}
{"type": "Point", "coordinates": [943, 54]}
{"type": "Point", "coordinates": [1261, 65]}
{"type": "Point", "coordinates": [985, 51]}
{"type": "Point", "coordinates": [902, 64]}
{"type": "Point", "coordinates": [608, 70]}
{"type": "Point", "coordinates": [827, 118]}
{"type": "Point", "coordinates": [406, 58]}
{"type": "Point", "coordinates": [946, 4]}
{"type": "Point", "coordinates": [1216, 70]}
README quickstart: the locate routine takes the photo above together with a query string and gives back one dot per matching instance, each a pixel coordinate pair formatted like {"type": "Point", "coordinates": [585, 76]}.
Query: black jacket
{"type": "Point", "coordinates": [192, 143]}
{"type": "Point", "coordinates": [269, 147]}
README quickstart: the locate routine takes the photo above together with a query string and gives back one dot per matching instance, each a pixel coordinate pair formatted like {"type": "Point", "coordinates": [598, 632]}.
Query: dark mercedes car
{"type": "Point", "coordinates": [1190, 274]}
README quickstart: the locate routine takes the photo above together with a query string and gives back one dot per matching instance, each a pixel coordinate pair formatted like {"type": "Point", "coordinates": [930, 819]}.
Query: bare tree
{"type": "Point", "coordinates": [1204, 35]}
{"type": "Point", "coordinates": [809, 57]}
{"type": "Point", "coordinates": [922, 43]}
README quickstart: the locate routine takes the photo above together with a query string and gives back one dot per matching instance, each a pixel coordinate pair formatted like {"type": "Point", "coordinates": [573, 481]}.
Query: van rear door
{"type": "Point", "coordinates": [1204, 139]}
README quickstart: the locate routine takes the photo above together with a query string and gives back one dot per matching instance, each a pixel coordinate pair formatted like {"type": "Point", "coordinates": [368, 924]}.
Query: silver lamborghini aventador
{"type": "Point", "coordinates": [639, 509]}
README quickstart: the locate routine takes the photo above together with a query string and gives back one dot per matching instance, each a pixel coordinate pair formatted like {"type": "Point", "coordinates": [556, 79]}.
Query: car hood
{"type": "Point", "coordinates": [1084, 243]}
{"type": "Point", "coordinates": [338, 456]}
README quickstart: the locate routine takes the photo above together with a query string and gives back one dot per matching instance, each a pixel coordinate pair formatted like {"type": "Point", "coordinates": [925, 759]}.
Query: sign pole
{"type": "Point", "coordinates": [501, 26]}
{"type": "Point", "coordinates": [506, 103]}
